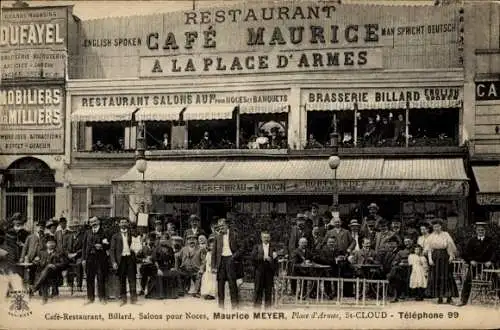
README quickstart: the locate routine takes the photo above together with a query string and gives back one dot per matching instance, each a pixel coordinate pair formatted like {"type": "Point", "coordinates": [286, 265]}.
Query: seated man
{"type": "Point", "coordinates": [365, 256]}
{"type": "Point", "coordinates": [189, 265]}
{"type": "Point", "coordinates": [328, 256]}
{"type": "Point", "coordinates": [50, 263]}
{"type": "Point", "coordinates": [300, 256]}
{"type": "Point", "coordinates": [399, 274]}
{"type": "Point", "coordinates": [147, 268]}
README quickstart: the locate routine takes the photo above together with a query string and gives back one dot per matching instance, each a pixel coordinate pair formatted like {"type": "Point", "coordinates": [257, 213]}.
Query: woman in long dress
{"type": "Point", "coordinates": [208, 280]}
{"type": "Point", "coordinates": [441, 250]}
{"type": "Point", "coordinates": [164, 284]}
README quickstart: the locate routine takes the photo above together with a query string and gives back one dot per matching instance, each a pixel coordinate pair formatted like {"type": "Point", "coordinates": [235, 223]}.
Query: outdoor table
{"type": "Point", "coordinates": [314, 270]}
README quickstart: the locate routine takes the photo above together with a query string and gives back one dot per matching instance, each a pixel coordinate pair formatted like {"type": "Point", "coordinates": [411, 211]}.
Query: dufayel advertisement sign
{"type": "Point", "coordinates": [33, 43]}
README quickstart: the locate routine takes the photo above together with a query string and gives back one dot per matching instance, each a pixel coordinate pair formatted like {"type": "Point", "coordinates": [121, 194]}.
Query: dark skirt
{"type": "Point", "coordinates": [441, 282]}
{"type": "Point", "coordinates": [163, 287]}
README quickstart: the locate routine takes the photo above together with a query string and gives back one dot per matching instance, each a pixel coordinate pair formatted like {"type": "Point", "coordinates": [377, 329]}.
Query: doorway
{"type": "Point", "coordinates": [209, 211]}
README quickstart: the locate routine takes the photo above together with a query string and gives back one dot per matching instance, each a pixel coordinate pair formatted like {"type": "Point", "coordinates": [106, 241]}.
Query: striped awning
{"type": "Point", "coordinates": [209, 112]}
{"type": "Point", "coordinates": [255, 108]}
{"type": "Point", "coordinates": [299, 176]}
{"type": "Point", "coordinates": [103, 114]}
{"type": "Point", "coordinates": [158, 114]}
{"type": "Point", "coordinates": [422, 104]}
{"type": "Point", "coordinates": [488, 183]}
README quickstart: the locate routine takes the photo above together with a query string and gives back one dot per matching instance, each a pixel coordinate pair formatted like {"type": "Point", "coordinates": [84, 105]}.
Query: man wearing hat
{"type": "Point", "coordinates": [51, 263]}
{"type": "Point", "coordinates": [341, 235]}
{"type": "Point", "coordinates": [315, 220]}
{"type": "Point", "coordinates": [189, 267]}
{"type": "Point", "coordinates": [264, 257]}
{"type": "Point", "coordinates": [372, 213]}
{"type": "Point", "coordinates": [399, 274]}
{"type": "Point", "coordinates": [479, 249]}
{"type": "Point", "coordinates": [298, 231]}
{"type": "Point", "coordinates": [15, 238]}
{"type": "Point", "coordinates": [357, 238]}
{"type": "Point", "coordinates": [194, 223]}
{"type": "Point", "coordinates": [50, 229]}
{"type": "Point", "coordinates": [34, 243]}
{"type": "Point", "coordinates": [64, 237]}
{"type": "Point", "coordinates": [147, 268]}
{"type": "Point", "coordinates": [158, 231]}
{"type": "Point", "coordinates": [123, 261]}
{"type": "Point", "coordinates": [95, 260]}
{"type": "Point", "coordinates": [383, 236]}
{"type": "Point", "coordinates": [226, 262]}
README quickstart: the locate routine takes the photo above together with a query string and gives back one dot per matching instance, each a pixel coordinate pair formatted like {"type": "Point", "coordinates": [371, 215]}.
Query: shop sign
{"type": "Point", "coordinates": [33, 43]}
{"type": "Point", "coordinates": [290, 187]}
{"type": "Point", "coordinates": [283, 36]}
{"type": "Point", "coordinates": [32, 120]}
{"type": "Point", "coordinates": [376, 98]}
{"type": "Point", "coordinates": [173, 99]}
{"type": "Point", "coordinates": [488, 198]}
{"type": "Point", "coordinates": [487, 90]}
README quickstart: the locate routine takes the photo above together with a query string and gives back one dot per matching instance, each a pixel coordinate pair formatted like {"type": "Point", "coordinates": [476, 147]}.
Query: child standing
{"type": "Point", "coordinates": [419, 268]}
{"type": "Point", "coordinates": [208, 280]}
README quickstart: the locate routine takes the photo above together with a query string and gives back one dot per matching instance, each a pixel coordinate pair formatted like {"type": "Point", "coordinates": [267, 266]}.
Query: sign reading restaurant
{"type": "Point", "coordinates": [285, 36]}
{"type": "Point", "coordinates": [33, 43]}
{"type": "Point", "coordinates": [32, 120]}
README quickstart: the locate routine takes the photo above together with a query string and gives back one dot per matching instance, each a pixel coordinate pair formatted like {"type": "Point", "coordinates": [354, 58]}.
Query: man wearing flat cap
{"type": "Point", "coordinates": [372, 213]}
{"type": "Point", "coordinates": [479, 249]}
{"type": "Point", "coordinates": [194, 227]}
{"type": "Point", "coordinates": [34, 243]}
{"type": "Point", "coordinates": [158, 231]}
{"type": "Point", "coordinates": [189, 266]}
{"type": "Point", "coordinates": [226, 262]}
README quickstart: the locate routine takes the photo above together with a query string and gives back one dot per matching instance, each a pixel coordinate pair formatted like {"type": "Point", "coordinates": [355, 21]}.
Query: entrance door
{"type": "Point", "coordinates": [209, 211]}
{"type": "Point", "coordinates": [29, 190]}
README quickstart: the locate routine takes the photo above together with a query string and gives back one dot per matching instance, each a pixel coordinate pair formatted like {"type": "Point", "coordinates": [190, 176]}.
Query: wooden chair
{"type": "Point", "coordinates": [481, 283]}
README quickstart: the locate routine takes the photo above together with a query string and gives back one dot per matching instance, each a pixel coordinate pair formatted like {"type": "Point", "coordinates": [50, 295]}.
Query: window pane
{"type": "Point", "coordinates": [101, 196]}
{"type": "Point", "coordinates": [108, 136]}
{"type": "Point", "coordinates": [101, 212]}
{"type": "Point", "coordinates": [78, 204]}
{"type": "Point", "coordinates": [121, 206]}
{"type": "Point", "coordinates": [434, 127]}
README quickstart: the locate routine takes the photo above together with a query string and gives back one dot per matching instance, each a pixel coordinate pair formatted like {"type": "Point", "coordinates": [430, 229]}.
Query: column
{"type": "Point", "coordinates": [62, 195]}
{"type": "Point", "coordinates": [296, 126]}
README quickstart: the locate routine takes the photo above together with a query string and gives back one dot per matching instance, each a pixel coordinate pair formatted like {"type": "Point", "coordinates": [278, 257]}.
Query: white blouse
{"type": "Point", "coordinates": [439, 241]}
{"type": "Point", "coordinates": [422, 241]}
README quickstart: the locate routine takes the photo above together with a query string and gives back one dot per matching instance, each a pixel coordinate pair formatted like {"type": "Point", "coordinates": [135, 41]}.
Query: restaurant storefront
{"type": "Point", "coordinates": [34, 46]}
{"type": "Point", "coordinates": [226, 111]}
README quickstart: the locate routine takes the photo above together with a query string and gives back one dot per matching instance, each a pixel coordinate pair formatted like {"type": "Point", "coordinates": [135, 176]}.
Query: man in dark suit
{"type": "Point", "coordinates": [328, 256]}
{"type": "Point", "coordinates": [123, 261]}
{"type": "Point", "coordinates": [298, 231]}
{"type": "Point", "coordinates": [356, 236]}
{"type": "Point", "coordinates": [158, 232]}
{"type": "Point", "coordinates": [226, 260]}
{"type": "Point", "coordinates": [479, 249]}
{"type": "Point", "coordinates": [342, 236]}
{"type": "Point", "coordinates": [95, 260]}
{"type": "Point", "coordinates": [264, 259]}
{"type": "Point", "coordinates": [31, 248]}
{"type": "Point", "coordinates": [315, 219]}
{"type": "Point", "coordinates": [51, 262]}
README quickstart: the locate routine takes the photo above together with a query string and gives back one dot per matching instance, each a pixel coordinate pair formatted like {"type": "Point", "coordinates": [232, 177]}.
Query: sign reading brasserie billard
{"type": "Point", "coordinates": [293, 36]}
{"type": "Point", "coordinates": [33, 43]}
{"type": "Point", "coordinates": [32, 120]}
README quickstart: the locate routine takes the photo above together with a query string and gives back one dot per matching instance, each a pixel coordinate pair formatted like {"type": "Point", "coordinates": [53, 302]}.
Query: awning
{"type": "Point", "coordinates": [488, 182]}
{"type": "Point", "coordinates": [103, 114]}
{"type": "Point", "coordinates": [209, 112]}
{"type": "Point", "coordinates": [445, 177]}
{"type": "Point", "coordinates": [255, 108]}
{"type": "Point", "coordinates": [158, 114]}
{"type": "Point", "coordinates": [422, 104]}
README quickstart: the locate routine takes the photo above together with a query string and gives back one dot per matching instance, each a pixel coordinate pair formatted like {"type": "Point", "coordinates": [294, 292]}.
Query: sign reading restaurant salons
{"type": "Point", "coordinates": [282, 36]}
{"type": "Point", "coordinates": [32, 120]}
{"type": "Point", "coordinates": [33, 43]}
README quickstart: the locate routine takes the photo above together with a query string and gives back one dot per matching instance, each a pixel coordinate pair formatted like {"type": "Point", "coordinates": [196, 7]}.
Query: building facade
{"type": "Point", "coordinates": [483, 77]}
{"type": "Point", "coordinates": [34, 47]}
{"type": "Point", "coordinates": [236, 108]}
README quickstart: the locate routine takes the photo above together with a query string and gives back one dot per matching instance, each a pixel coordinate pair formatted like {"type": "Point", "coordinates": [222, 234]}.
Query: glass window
{"type": "Point", "coordinates": [266, 131]}
{"type": "Point", "coordinates": [101, 212]}
{"type": "Point", "coordinates": [121, 206]}
{"type": "Point", "coordinates": [381, 128]}
{"type": "Point", "coordinates": [434, 127]}
{"type": "Point", "coordinates": [100, 195]}
{"type": "Point", "coordinates": [158, 135]}
{"type": "Point", "coordinates": [108, 136]}
{"type": "Point", "coordinates": [212, 134]}
{"type": "Point", "coordinates": [78, 204]}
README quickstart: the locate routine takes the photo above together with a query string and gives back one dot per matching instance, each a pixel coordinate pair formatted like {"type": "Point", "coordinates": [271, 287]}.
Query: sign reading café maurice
{"type": "Point", "coordinates": [274, 37]}
{"type": "Point", "coordinates": [33, 43]}
{"type": "Point", "coordinates": [32, 120]}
